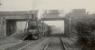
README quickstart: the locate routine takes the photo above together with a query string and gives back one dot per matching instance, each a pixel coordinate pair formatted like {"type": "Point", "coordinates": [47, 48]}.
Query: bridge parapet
{"type": "Point", "coordinates": [52, 18]}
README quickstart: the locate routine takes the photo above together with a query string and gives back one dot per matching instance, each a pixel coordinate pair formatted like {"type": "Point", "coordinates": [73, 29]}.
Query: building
{"type": "Point", "coordinates": [52, 14]}
{"type": "Point", "coordinates": [77, 13]}
{"type": "Point", "coordinates": [8, 20]}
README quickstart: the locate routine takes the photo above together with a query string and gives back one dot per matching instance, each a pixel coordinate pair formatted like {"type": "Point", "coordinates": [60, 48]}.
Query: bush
{"type": "Point", "coordinates": [85, 31]}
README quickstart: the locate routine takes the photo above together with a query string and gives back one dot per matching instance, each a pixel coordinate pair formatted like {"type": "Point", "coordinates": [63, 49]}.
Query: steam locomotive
{"type": "Point", "coordinates": [35, 30]}
{"type": "Point", "coordinates": [32, 33]}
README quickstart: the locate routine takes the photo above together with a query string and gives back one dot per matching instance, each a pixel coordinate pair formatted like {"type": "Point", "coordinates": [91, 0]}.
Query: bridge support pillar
{"type": "Point", "coordinates": [2, 27]}
{"type": "Point", "coordinates": [67, 29]}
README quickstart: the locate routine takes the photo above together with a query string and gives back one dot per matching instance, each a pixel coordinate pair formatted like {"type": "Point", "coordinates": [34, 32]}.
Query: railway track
{"type": "Point", "coordinates": [23, 45]}
{"type": "Point", "coordinates": [55, 45]}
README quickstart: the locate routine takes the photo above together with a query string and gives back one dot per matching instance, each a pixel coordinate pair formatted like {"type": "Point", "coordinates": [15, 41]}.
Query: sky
{"type": "Point", "coordinates": [66, 5]}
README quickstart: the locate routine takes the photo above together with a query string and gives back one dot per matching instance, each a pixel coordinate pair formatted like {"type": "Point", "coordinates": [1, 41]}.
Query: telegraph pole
{"type": "Point", "coordinates": [0, 3]}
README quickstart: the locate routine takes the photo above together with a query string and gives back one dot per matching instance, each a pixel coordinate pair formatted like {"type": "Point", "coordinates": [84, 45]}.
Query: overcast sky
{"type": "Point", "coordinates": [67, 5]}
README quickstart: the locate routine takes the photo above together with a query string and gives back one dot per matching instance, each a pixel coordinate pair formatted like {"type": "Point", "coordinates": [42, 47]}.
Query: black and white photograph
{"type": "Point", "coordinates": [47, 25]}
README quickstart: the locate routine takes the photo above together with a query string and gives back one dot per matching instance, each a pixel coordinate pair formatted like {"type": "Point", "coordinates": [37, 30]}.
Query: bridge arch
{"type": "Point", "coordinates": [66, 23]}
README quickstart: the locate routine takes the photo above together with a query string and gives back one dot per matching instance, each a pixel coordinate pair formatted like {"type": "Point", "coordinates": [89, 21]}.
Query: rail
{"type": "Point", "coordinates": [62, 45]}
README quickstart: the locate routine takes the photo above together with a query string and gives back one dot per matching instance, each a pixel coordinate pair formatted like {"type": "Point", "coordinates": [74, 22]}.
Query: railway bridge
{"type": "Point", "coordinates": [66, 21]}
{"type": "Point", "coordinates": [8, 20]}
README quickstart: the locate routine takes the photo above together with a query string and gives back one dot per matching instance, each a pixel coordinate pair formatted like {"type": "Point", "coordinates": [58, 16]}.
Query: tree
{"type": "Point", "coordinates": [85, 31]}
